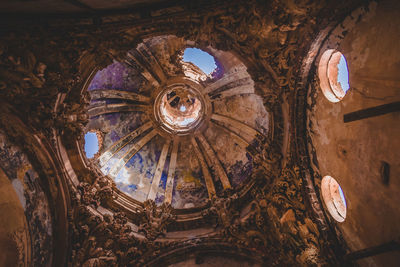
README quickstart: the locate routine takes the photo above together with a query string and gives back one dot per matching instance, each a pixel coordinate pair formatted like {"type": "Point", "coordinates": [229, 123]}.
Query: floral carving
{"type": "Point", "coordinates": [154, 220]}
{"type": "Point", "coordinates": [46, 79]}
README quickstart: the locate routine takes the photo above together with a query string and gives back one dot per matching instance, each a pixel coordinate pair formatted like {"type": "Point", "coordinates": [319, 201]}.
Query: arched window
{"type": "Point", "coordinates": [333, 75]}
{"type": "Point", "coordinates": [334, 198]}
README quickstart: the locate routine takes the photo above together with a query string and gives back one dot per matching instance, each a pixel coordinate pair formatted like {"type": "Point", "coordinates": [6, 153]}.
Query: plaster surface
{"type": "Point", "coordinates": [228, 92]}
{"type": "Point", "coordinates": [24, 184]}
{"type": "Point", "coordinates": [353, 152]}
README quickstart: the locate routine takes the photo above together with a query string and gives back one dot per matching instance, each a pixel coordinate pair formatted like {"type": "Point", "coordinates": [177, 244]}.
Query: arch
{"type": "Point", "coordinates": [50, 178]}
{"type": "Point", "coordinates": [205, 248]}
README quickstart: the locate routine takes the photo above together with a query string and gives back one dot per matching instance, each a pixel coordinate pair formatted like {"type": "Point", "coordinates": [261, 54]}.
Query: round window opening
{"type": "Point", "coordinates": [333, 75]}
{"type": "Point", "coordinates": [91, 144]}
{"type": "Point", "coordinates": [201, 59]}
{"type": "Point", "coordinates": [181, 109]}
{"type": "Point", "coordinates": [334, 198]}
{"type": "Point", "coordinates": [199, 65]}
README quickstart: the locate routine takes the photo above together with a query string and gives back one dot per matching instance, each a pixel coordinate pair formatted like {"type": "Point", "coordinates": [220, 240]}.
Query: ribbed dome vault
{"type": "Point", "coordinates": [169, 132]}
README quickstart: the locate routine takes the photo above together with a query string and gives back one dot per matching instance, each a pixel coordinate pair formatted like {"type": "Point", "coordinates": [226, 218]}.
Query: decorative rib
{"type": "Point", "coordinates": [241, 129]}
{"type": "Point", "coordinates": [117, 146]}
{"type": "Point", "coordinates": [204, 167]}
{"type": "Point", "coordinates": [240, 140]}
{"type": "Point", "coordinates": [216, 164]}
{"type": "Point", "coordinates": [171, 172]}
{"type": "Point", "coordinates": [133, 61]}
{"type": "Point", "coordinates": [158, 173]}
{"type": "Point", "coordinates": [152, 62]}
{"type": "Point", "coordinates": [118, 94]}
{"type": "Point", "coordinates": [115, 108]}
{"type": "Point", "coordinates": [135, 148]}
{"type": "Point", "coordinates": [238, 90]}
{"type": "Point", "coordinates": [239, 73]}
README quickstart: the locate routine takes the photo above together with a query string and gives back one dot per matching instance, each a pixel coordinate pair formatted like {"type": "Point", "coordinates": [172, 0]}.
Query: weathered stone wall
{"type": "Point", "coordinates": [34, 229]}
{"type": "Point", "coordinates": [44, 69]}
{"type": "Point", "coordinates": [13, 226]}
{"type": "Point", "coordinates": [353, 152]}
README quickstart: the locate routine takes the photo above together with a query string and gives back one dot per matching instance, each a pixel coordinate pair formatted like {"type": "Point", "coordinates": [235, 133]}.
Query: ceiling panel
{"type": "Point", "coordinates": [66, 6]}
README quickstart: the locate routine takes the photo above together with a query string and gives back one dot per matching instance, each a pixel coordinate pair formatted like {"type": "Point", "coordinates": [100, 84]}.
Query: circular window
{"type": "Point", "coordinates": [333, 75]}
{"type": "Point", "coordinates": [334, 198]}
{"type": "Point", "coordinates": [179, 107]}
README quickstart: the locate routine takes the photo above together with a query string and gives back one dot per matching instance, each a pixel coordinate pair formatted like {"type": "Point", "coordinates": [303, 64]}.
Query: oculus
{"type": "Point", "coordinates": [180, 107]}
{"type": "Point", "coordinates": [333, 75]}
{"type": "Point", "coordinates": [333, 197]}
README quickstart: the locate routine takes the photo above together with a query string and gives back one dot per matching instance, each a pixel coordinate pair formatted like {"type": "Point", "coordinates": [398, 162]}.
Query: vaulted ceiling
{"type": "Point", "coordinates": [191, 168]}
{"type": "Point", "coordinates": [152, 148]}
{"type": "Point", "coordinates": [41, 7]}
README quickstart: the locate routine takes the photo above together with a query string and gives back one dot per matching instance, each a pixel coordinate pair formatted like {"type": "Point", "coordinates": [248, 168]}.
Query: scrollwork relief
{"type": "Point", "coordinates": [154, 220]}
{"type": "Point", "coordinates": [35, 75]}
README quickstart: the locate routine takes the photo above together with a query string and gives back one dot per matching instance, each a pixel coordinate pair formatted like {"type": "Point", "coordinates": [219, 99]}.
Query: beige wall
{"type": "Point", "coordinates": [12, 221]}
{"type": "Point", "coordinates": [352, 152]}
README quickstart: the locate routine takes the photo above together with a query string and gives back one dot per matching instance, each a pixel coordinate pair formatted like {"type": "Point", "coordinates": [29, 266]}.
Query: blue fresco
{"type": "Point", "coordinates": [117, 76]}
{"type": "Point", "coordinates": [114, 136]}
{"type": "Point", "coordinates": [125, 122]}
{"type": "Point", "coordinates": [189, 189]}
{"type": "Point", "coordinates": [189, 185]}
{"type": "Point", "coordinates": [26, 183]}
{"type": "Point", "coordinates": [241, 171]}
{"type": "Point", "coordinates": [136, 177]}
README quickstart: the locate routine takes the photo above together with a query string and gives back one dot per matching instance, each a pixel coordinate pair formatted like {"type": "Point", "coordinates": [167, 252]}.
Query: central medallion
{"type": "Point", "coordinates": [179, 108]}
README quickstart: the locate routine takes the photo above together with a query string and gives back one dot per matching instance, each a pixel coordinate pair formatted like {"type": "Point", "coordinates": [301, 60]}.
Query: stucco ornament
{"type": "Point", "coordinates": [254, 204]}
{"type": "Point", "coordinates": [154, 220]}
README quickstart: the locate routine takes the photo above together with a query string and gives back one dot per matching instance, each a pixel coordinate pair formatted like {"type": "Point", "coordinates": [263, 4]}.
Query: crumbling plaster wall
{"type": "Point", "coordinates": [12, 220]}
{"type": "Point", "coordinates": [33, 232]}
{"type": "Point", "coordinates": [352, 152]}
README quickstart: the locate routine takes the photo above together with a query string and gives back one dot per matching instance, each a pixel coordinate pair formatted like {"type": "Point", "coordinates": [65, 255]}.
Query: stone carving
{"type": "Point", "coordinates": [154, 220]}
{"type": "Point", "coordinates": [109, 240]}
{"type": "Point", "coordinates": [20, 239]}
{"type": "Point", "coordinates": [287, 213]}
{"type": "Point", "coordinates": [275, 216]}
{"type": "Point", "coordinates": [99, 240]}
{"type": "Point", "coordinates": [22, 78]}
{"type": "Point", "coordinates": [72, 117]}
{"type": "Point", "coordinates": [99, 193]}
{"type": "Point", "coordinates": [223, 212]}
{"type": "Point", "coordinates": [20, 72]}
{"type": "Point", "coordinates": [267, 35]}
{"type": "Point", "coordinates": [92, 239]}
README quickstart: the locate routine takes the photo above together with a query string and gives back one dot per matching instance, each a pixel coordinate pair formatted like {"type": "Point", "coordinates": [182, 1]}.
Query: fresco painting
{"type": "Point", "coordinates": [25, 181]}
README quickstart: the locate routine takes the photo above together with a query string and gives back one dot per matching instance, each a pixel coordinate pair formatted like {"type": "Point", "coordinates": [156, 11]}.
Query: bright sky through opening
{"type": "Point", "coordinates": [201, 59]}
{"type": "Point", "coordinates": [342, 196]}
{"type": "Point", "coordinates": [343, 74]}
{"type": "Point", "coordinates": [91, 144]}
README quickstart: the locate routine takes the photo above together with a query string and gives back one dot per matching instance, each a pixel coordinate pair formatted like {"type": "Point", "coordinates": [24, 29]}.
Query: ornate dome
{"type": "Point", "coordinates": [252, 162]}
{"type": "Point", "coordinates": [172, 133]}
